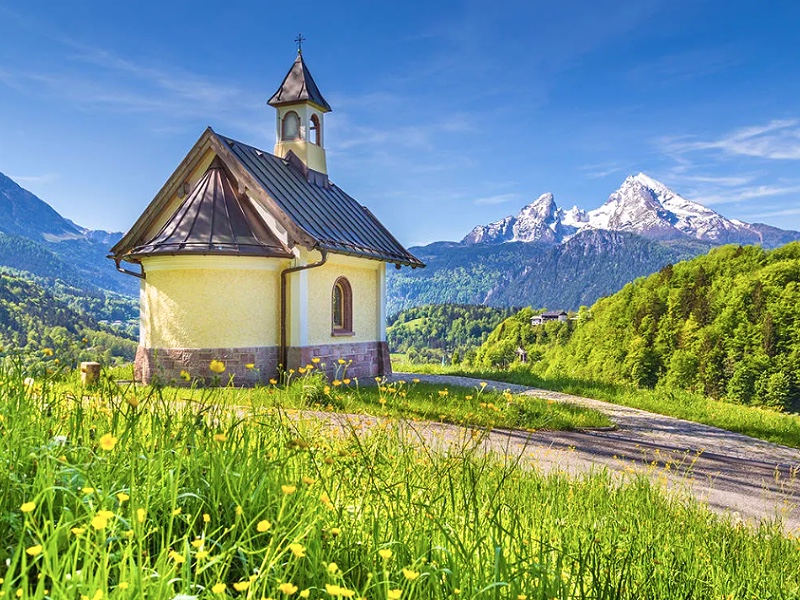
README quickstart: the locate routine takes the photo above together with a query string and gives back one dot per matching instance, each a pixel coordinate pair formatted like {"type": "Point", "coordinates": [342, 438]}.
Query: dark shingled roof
{"type": "Point", "coordinates": [299, 86]}
{"type": "Point", "coordinates": [336, 221]}
{"type": "Point", "coordinates": [212, 220]}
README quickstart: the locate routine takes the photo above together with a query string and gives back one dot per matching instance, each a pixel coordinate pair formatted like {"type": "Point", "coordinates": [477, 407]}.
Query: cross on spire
{"type": "Point", "coordinates": [299, 41]}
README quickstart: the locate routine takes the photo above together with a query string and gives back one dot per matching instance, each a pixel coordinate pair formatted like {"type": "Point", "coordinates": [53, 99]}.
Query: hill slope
{"type": "Point", "coordinates": [726, 324]}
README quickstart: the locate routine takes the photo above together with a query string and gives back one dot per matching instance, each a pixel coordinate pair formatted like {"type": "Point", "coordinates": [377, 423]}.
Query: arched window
{"type": "Point", "coordinates": [315, 135]}
{"type": "Point", "coordinates": [290, 128]}
{"type": "Point", "coordinates": [342, 308]}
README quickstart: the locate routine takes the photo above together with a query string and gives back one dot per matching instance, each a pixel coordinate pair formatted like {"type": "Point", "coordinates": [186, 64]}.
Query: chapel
{"type": "Point", "coordinates": [259, 261]}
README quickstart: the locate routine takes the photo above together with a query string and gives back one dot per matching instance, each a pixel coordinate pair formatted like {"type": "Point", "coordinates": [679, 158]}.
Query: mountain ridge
{"type": "Point", "coordinates": [641, 205]}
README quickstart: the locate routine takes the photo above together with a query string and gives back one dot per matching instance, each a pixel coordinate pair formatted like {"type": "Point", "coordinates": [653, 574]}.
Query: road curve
{"type": "Point", "coordinates": [743, 477]}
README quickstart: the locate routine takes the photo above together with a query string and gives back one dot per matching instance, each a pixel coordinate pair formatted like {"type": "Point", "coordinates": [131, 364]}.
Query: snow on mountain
{"type": "Point", "coordinates": [641, 205]}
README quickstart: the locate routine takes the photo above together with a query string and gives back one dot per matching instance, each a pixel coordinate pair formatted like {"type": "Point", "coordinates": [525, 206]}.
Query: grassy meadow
{"type": "Point", "coordinates": [122, 492]}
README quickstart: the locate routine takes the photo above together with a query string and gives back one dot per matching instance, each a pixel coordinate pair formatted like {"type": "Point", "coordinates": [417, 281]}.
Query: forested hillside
{"type": "Point", "coordinates": [75, 326]}
{"type": "Point", "coordinates": [726, 324]}
{"type": "Point", "coordinates": [430, 333]}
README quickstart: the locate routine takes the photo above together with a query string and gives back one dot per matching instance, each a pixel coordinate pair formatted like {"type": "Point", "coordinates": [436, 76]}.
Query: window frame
{"type": "Point", "coordinates": [315, 131]}
{"type": "Point", "coordinates": [283, 127]}
{"type": "Point", "coordinates": [345, 326]}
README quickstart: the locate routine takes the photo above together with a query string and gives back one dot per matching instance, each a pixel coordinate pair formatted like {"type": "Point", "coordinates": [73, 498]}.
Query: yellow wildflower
{"type": "Point", "coordinates": [107, 442]}
{"type": "Point", "coordinates": [415, 380]}
{"type": "Point", "coordinates": [443, 392]}
{"type": "Point", "coordinates": [484, 384]}
{"type": "Point", "coordinates": [217, 366]}
{"type": "Point", "coordinates": [220, 437]}
{"type": "Point", "coordinates": [336, 383]}
{"type": "Point", "coordinates": [34, 550]}
{"type": "Point", "coordinates": [177, 511]}
{"type": "Point", "coordinates": [47, 351]}
{"type": "Point", "coordinates": [178, 558]}
{"type": "Point", "coordinates": [197, 543]}
{"type": "Point", "coordinates": [241, 586]}
{"type": "Point", "coordinates": [239, 511]}
{"type": "Point", "coordinates": [298, 550]}
{"type": "Point", "coordinates": [346, 381]}
{"type": "Point", "coordinates": [410, 574]}
{"type": "Point", "coordinates": [273, 381]}
{"type": "Point", "coordinates": [124, 585]}
{"type": "Point", "coordinates": [385, 553]}
{"type": "Point", "coordinates": [341, 361]}
{"type": "Point", "coordinates": [218, 588]}
{"type": "Point", "coordinates": [287, 588]}
{"type": "Point", "coordinates": [522, 597]}
{"type": "Point", "coordinates": [288, 489]}
{"type": "Point", "coordinates": [308, 480]}
{"type": "Point", "coordinates": [305, 593]}
{"type": "Point", "coordinates": [201, 554]}
{"type": "Point", "coordinates": [335, 531]}
{"type": "Point", "coordinates": [468, 397]}
{"type": "Point", "coordinates": [140, 514]}
{"type": "Point", "coordinates": [123, 497]}
{"type": "Point", "coordinates": [301, 370]}
{"type": "Point", "coordinates": [99, 522]}
{"type": "Point", "coordinates": [28, 507]}
{"type": "Point", "coordinates": [263, 526]}
{"type": "Point", "coordinates": [327, 389]}
{"type": "Point", "coordinates": [394, 594]}
{"type": "Point", "coordinates": [315, 360]}
{"type": "Point", "coordinates": [332, 568]}
{"type": "Point", "coordinates": [78, 530]}
{"type": "Point", "coordinates": [250, 366]}
{"type": "Point", "coordinates": [206, 518]}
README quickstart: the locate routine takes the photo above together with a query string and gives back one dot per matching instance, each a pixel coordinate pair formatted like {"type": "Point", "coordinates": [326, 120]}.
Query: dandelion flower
{"type": "Point", "coordinates": [197, 543]}
{"type": "Point", "coordinates": [335, 531]}
{"type": "Point", "coordinates": [250, 366]}
{"type": "Point", "coordinates": [332, 568]}
{"type": "Point", "coordinates": [315, 360]}
{"type": "Point", "coordinates": [218, 588]}
{"type": "Point", "coordinates": [123, 497]}
{"type": "Point", "coordinates": [410, 574]}
{"type": "Point", "coordinates": [124, 585]}
{"type": "Point", "coordinates": [78, 530]}
{"type": "Point", "coordinates": [88, 490]}
{"type": "Point", "coordinates": [288, 489]}
{"type": "Point", "coordinates": [263, 526]}
{"type": "Point", "coordinates": [394, 594]}
{"type": "Point", "coordinates": [287, 588]}
{"type": "Point", "coordinates": [346, 381]}
{"type": "Point", "coordinates": [201, 554]}
{"type": "Point", "coordinates": [47, 351]}
{"type": "Point", "coordinates": [341, 361]}
{"type": "Point", "coordinates": [305, 593]}
{"type": "Point", "coordinates": [140, 514]}
{"type": "Point", "coordinates": [241, 586]}
{"type": "Point", "coordinates": [34, 550]}
{"type": "Point", "coordinates": [28, 507]}
{"type": "Point", "coordinates": [298, 550]}
{"type": "Point", "coordinates": [415, 380]}
{"type": "Point", "coordinates": [385, 553]}
{"type": "Point", "coordinates": [178, 558]}
{"type": "Point", "coordinates": [217, 366]}
{"type": "Point", "coordinates": [336, 383]}
{"type": "Point", "coordinates": [273, 381]}
{"type": "Point", "coordinates": [206, 518]}
{"type": "Point", "coordinates": [301, 370]}
{"type": "Point", "coordinates": [99, 522]}
{"type": "Point", "coordinates": [239, 511]}
{"type": "Point", "coordinates": [220, 437]}
{"type": "Point", "coordinates": [483, 384]}
{"type": "Point", "coordinates": [308, 480]}
{"type": "Point", "coordinates": [185, 375]}
{"type": "Point", "coordinates": [107, 442]}
{"type": "Point", "coordinates": [177, 511]}
{"type": "Point", "coordinates": [522, 597]}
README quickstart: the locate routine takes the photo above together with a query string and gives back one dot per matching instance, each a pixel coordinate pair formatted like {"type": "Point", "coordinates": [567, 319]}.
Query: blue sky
{"type": "Point", "coordinates": [446, 114]}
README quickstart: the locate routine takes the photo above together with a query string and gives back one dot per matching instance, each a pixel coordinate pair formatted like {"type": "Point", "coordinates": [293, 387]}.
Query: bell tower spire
{"type": "Point", "coordinates": [300, 115]}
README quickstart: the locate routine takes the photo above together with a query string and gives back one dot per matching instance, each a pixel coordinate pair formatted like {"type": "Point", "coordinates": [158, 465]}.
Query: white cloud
{"type": "Point", "coordinates": [497, 199]}
{"type": "Point", "coordinates": [746, 194]}
{"type": "Point", "coordinates": [777, 140]}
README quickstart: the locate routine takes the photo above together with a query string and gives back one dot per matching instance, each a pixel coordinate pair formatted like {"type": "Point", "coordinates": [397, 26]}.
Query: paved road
{"type": "Point", "coordinates": [746, 478]}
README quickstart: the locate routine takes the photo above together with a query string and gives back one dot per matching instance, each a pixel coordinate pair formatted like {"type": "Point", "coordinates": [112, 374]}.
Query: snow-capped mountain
{"type": "Point", "coordinates": [642, 206]}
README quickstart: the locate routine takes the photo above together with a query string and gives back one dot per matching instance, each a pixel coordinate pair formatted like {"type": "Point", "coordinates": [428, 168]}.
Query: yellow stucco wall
{"type": "Point", "coordinates": [364, 278]}
{"type": "Point", "coordinates": [210, 302]}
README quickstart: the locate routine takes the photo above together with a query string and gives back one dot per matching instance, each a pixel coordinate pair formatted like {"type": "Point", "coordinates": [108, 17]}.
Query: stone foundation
{"type": "Point", "coordinates": [164, 365]}
{"type": "Point", "coordinates": [364, 360]}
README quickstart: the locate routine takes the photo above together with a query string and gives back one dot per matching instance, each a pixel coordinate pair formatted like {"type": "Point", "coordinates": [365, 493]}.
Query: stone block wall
{"type": "Point", "coordinates": [164, 365]}
{"type": "Point", "coordinates": [364, 360]}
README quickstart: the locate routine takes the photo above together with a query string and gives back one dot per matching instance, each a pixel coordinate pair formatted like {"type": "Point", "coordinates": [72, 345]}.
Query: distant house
{"type": "Point", "coordinates": [259, 260]}
{"type": "Point", "coordinates": [545, 317]}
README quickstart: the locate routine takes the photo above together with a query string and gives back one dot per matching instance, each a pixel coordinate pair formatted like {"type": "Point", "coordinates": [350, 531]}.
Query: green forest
{"type": "Point", "coordinates": [726, 325]}
{"type": "Point", "coordinates": [442, 331]}
{"type": "Point", "coordinates": [74, 324]}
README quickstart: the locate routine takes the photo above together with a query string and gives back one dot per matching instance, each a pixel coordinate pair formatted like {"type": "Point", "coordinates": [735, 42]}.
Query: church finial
{"type": "Point", "coordinates": [299, 41]}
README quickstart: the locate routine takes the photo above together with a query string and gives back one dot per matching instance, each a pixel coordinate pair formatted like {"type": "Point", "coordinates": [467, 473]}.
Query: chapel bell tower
{"type": "Point", "coordinates": [301, 117]}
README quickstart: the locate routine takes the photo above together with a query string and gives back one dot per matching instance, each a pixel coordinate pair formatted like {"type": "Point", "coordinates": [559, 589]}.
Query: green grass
{"type": "Point", "coordinates": [411, 399]}
{"type": "Point", "coordinates": [201, 498]}
{"type": "Point", "coordinates": [761, 423]}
